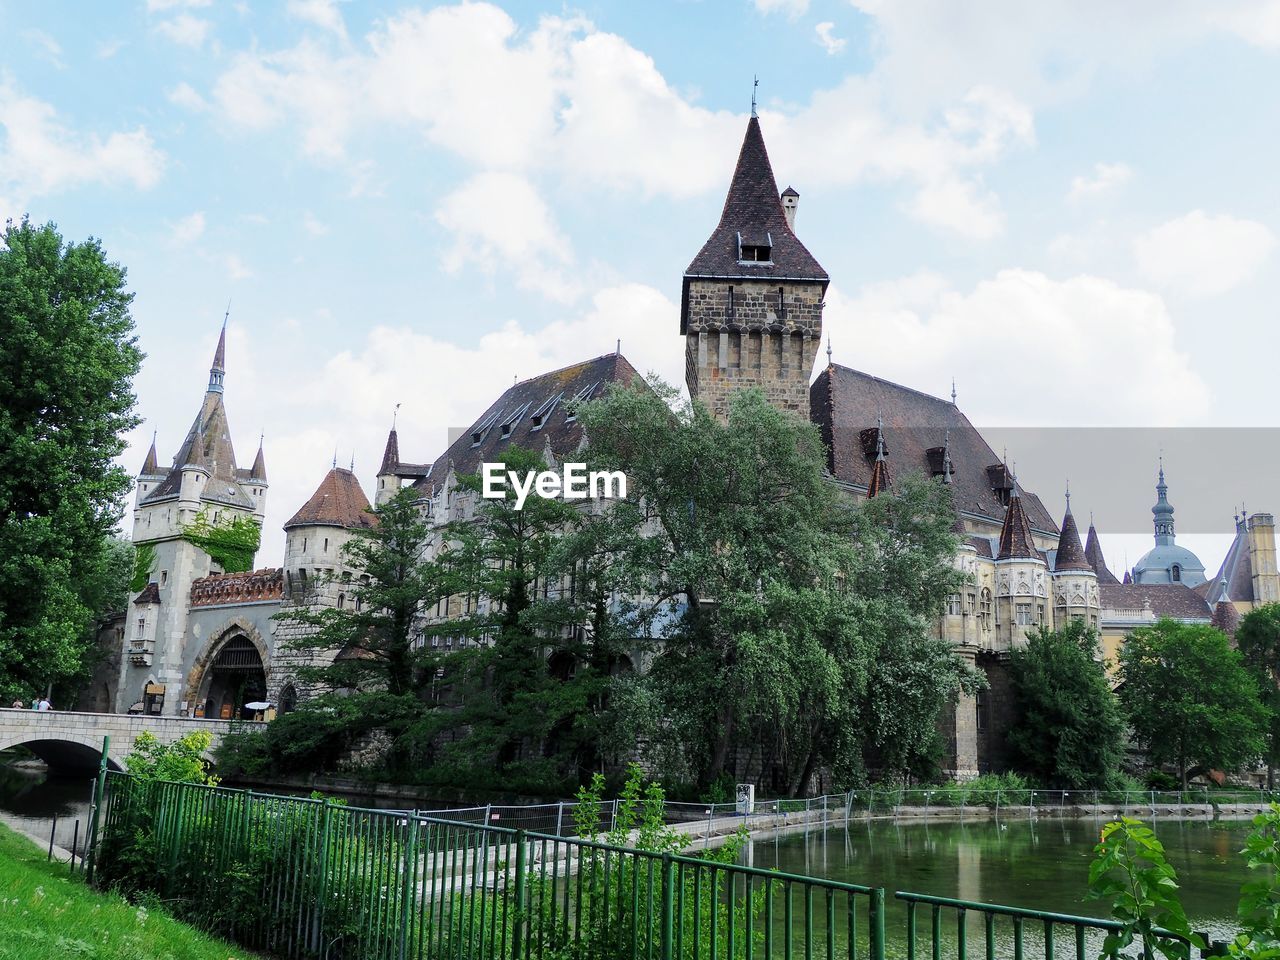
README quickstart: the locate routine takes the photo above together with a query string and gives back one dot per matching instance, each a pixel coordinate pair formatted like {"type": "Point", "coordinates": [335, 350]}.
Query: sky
{"type": "Point", "coordinates": [1068, 206]}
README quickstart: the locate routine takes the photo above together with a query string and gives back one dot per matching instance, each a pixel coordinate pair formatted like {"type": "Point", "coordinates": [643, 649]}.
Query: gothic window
{"type": "Point", "coordinates": [288, 699]}
{"type": "Point", "coordinates": [953, 605]}
{"type": "Point", "coordinates": [342, 601]}
{"type": "Point", "coordinates": [142, 626]}
{"type": "Point", "coordinates": [972, 604]}
{"type": "Point", "coordinates": [1022, 615]}
{"type": "Point", "coordinates": [1093, 620]}
{"type": "Point", "coordinates": [986, 606]}
{"type": "Point", "coordinates": [358, 604]}
{"type": "Point", "coordinates": [1040, 614]}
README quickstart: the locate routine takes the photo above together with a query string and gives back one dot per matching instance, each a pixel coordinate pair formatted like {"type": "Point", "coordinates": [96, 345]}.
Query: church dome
{"type": "Point", "coordinates": [1169, 563]}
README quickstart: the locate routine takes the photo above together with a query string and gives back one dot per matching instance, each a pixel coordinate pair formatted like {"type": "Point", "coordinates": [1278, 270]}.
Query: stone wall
{"type": "Point", "coordinates": [746, 335]}
{"type": "Point", "coordinates": [996, 713]}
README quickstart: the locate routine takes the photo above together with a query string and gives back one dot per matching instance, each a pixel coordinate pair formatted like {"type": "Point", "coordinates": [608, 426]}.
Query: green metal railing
{"type": "Point", "coordinates": [304, 878]}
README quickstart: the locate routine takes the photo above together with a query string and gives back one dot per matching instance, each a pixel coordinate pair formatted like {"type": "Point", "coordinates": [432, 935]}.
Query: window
{"type": "Point", "coordinates": [288, 699]}
{"type": "Point", "coordinates": [164, 577]}
{"type": "Point", "coordinates": [358, 604]}
{"type": "Point", "coordinates": [326, 544]}
{"type": "Point", "coordinates": [1022, 615]}
{"type": "Point", "coordinates": [1177, 573]}
{"type": "Point", "coordinates": [142, 626]}
{"type": "Point", "coordinates": [972, 604]}
{"type": "Point", "coordinates": [953, 605]}
{"type": "Point", "coordinates": [782, 303]}
{"type": "Point", "coordinates": [986, 605]}
{"type": "Point", "coordinates": [342, 601]}
{"type": "Point", "coordinates": [730, 302]}
{"type": "Point", "coordinates": [755, 250]}
{"type": "Point", "coordinates": [304, 544]}
{"type": "Point", "coordinates": [1040, 614]}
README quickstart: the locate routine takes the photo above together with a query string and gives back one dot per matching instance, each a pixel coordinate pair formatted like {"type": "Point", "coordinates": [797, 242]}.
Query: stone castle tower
{"type": "Point", "coordinates": [204, 478]}
{"type": "Point", "coordinates": [751, 306]}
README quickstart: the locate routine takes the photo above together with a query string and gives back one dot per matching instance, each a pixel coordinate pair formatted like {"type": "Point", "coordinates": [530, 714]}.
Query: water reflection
{"type": "Point", "coordinates": [30, 798]}
{"type": "Point", "coordinates": [1041, 864]}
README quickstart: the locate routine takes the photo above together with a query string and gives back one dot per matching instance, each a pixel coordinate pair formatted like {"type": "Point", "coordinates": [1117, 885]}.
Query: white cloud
{"type": "Point", "coordinates": [1028, 350]}
{"type": "Point", "coordinates": [189, 229]}
{"type": "Point", "coordinates": [792, 8]}
{"type": "Point", "coordinates": [39, 155]}
{"type": "Point", "coordinates": [185, 96]}
{"type": "Point", "coordinates": [237, 269]}
{"type": "Point", "coordinates": [498, 221]}
{"type": "Point", "coordinates": [1106, 178]}
{"type": "Point", "coordinates": [109, 48]}
{"type": "Point", "coordinates": [321, 13]}
{"type": "Point", "coordinates": [47, 48]}
{"type": "Point", "coordinates": [1203, 254]}
{"type": "Point", "coordinates": [827, 38]}
{"type": "Point", "coordinates": [589, 104]}
{"type": "Point", "coordinates": [313, 226]}
{"type": "Point", "coordinates": [184, 29]}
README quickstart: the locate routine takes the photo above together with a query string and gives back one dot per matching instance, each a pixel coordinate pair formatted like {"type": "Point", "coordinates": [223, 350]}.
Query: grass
{"type": "Point", "coordinates": [45, 912]}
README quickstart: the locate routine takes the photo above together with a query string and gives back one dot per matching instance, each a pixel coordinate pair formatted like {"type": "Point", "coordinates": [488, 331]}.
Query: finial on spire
{"type": "Point", "coordinates": [617, 348]}
{"type": "Point", "coordinates": [828, 350]}
{"type": "Point", "coordinates": [879, 436]}
{"type": "Point", "coordinates": [953, 391]}
{"type": "Point", "coordinates": [335, 458]}
{"type": "Point", "coordinates": [395, 413]}
{"type": "Point", "coordinates": [1068, 485]}
{"type": "Point", "coordinates": [219, 368]}
{"type": "Point", "coordinates": [755, 82]}
{"type": "Point", "coordinates": [226, 316]}
{"type": "Point", "coordinates": [353, 461]}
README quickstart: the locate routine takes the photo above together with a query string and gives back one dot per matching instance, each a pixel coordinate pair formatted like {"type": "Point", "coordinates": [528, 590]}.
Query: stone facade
{"type": "Point", "coordinates": [752, 334]}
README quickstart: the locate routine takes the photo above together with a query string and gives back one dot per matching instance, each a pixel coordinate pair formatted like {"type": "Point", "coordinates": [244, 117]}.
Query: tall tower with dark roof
{"type": "Point", "coordinates": [751, 305]}
{"type": "Point", "coordinates": [203, 480]}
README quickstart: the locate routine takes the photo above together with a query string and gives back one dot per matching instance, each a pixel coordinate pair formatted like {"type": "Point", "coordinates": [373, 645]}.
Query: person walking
{"type": "Point", "coordinates": [18, 705]}
{"type": "Point", "coordinates": [44, 704]}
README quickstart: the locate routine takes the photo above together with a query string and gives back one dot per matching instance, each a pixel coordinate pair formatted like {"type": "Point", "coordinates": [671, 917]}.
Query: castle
{"type": "Point", "coordinates": [199, 641]}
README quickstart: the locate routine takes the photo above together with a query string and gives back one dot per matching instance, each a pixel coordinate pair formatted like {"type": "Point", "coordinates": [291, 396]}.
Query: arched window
{"type": "Point", "coordinates": [342, 600]}
{"type": "Point", "coordinates": [288, 698]}
{"type": "Point", "coordinates": [1177, 573]}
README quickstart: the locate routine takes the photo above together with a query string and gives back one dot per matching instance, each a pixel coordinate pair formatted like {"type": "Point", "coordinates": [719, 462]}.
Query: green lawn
{"type": "Point", "coordinates": [45, 913]}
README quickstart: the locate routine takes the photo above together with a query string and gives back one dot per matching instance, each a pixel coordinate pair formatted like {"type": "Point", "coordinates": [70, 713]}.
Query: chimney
{"type": "Point", "coordinates": [790, 202]}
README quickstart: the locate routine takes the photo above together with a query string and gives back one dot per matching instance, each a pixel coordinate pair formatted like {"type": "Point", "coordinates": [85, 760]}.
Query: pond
{"type": "Point", "coordinates": [1042, 864]}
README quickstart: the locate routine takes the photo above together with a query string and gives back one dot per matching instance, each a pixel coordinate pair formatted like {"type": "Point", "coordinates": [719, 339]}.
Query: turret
{"type": "Point", "coordinates": [1021, 578]}
{"type": "Point", "coordinates": [1167, 562]}
{"type": "Point", "coordinates": [1075, 584]}
{"type": "Point", "coordinates": [314, 565]}
{"type": "Point", "coordinates": [388, 480]}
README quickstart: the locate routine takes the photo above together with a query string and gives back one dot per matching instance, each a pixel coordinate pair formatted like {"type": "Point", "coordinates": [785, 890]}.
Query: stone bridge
{"type": "Point", "coordinates": [70, 742]}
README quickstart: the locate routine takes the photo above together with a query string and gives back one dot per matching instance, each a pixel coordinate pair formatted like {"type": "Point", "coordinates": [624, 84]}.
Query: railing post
{"type": "Point", "coordinates": [517, 930]}
{"type": "Point", "coordinates": [877, 924]}
{"type": "Point", "coordinates": [407, 892]}
{"type": "Point", "coordinates": [668, 907]}
{"type": "Point", "coordinates": [559, 816]}
{"type": "Point", "coordinates": [99, 792]}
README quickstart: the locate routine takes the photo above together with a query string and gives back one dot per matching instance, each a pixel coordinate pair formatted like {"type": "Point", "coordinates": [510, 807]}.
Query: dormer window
{"type": "Point", "coordinates": [582, 396]}
{"type": "Point", "coordinates": [756, 249]}
{"type": "Point", "coordinates": [540, 415]}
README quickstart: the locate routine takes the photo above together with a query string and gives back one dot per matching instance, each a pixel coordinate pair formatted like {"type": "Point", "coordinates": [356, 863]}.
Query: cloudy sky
{"type": "Point", "coordinates": [1070, 207]}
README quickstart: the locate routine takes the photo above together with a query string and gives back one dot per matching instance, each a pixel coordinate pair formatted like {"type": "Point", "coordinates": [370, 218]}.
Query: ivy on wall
{"type": "Point", "coordinates": [144, 558]}
{"type": "Point", "coordinates": [231, 544]}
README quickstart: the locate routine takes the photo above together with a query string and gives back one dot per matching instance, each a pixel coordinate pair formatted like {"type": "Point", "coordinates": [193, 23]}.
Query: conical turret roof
{"type": "Point", "coordinates": [1093, 553]}
{"type": "Point", "coordinates": [259, 469]}
{"type": "Point", "coordinates": [1016, 541]}
{"type": "Point", "coordinates": [337, 502]}
{"type": "Point", "coordinates": [1070, 555]}
{"type": "Point", "coordinates": [150, 466]}
{"type": "Point", "coordinates": [391, 455]}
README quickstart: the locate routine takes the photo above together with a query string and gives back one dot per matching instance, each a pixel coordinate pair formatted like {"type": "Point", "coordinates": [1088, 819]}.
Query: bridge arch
{"type": "Point", "coordinates": [66, 750]}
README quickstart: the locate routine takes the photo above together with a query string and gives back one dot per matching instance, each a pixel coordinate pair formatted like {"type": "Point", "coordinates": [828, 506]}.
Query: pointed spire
{"type": "Point", "coordinates": [219, 368]}
{"type": "Point", "coordinates": [150, 466]}
{"type": "Point", "coordinates": [1128, 579]}
{"type": "Point", "coordinates": [1071, 556]}
{"type": "Point", "coordinates": [1016, 541]}
{"type": "Point", "coordinates": [391, 455]}
{"type": "Point", "coordinates": [953, 391]}
{"type": "Point", "coordinates": [1162, 512]}
{"type": "Point", "coordinates": [1225, 616]}
{"type": "Point", "coordinates": [879, 482]}
{"type": "Point", "coordinates": [1093, 553]}
{"type": "Point", "coordinates": [828, 350]}
{"type": "Point", "coordinates": [259, 469]}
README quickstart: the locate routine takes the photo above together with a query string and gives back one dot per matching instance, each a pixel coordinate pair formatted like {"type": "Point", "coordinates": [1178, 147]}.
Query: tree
{"type": "Point", "coordinates": [377, 678]}
{"type": "Point", "coordinates": [768, 596]}
{"type": "Point", "coordinates": [1258, 639]}
{"type": "Point", "coordinates": [180, 762]}
{"type": "Point", "coordinates": [67, 360]}
{"type": "Point", "coordinates": [1189, 698]}
{"type": "Point", "coordinates": [528, 669]}
{"type": "Point", "coordinates": [1068, 731]}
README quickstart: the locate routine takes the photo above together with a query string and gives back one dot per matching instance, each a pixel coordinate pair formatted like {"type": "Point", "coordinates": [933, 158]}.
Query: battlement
{"type": "Point", "coordinates": [256, 587]}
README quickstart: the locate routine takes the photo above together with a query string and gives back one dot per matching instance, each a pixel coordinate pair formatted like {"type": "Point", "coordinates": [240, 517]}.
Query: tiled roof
{"type": "Point", "coordinates": [1070, 555]}
{"type": "Point", "coordinates": [845, 403]}
{"type": "Point", "coordinates": [1236, 569]}
{"type": "Point", "coordinates": [1093, 553]}
{"type": "Point", "coordinates": [1175, 600]}
{"type": "Point", "coordinates": [532, 414]}
{"type": "Point", "coordinates": [753, 211]}
{"type": "Point", "coordinates": [391, 455]}
{"type": "Point", "coordinates": [1016, 541]}
{"type": "Point", "coordinates": [337, 502]}
{"type": "Point", "coordinates": [1226, 617]}
{"type": "Point", "coordinates": [207, 446]}
{"type": "Point", "coordinates": [150, 594]}
{"type": "Point", "coordinates": [150, 468]}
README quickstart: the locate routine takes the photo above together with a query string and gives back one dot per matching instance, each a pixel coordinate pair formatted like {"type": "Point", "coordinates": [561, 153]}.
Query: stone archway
{"type": "Point", "coordinates": [233, 669]}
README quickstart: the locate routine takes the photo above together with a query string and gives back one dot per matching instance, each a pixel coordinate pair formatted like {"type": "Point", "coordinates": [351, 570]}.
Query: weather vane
{"type": "Point", "coordinates": [755, 82]}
